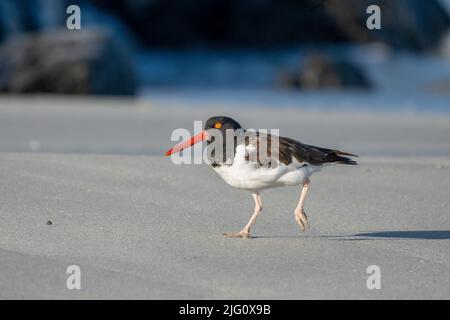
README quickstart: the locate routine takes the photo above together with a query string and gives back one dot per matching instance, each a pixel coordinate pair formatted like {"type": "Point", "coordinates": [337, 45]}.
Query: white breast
{"type": "Point", "coordinates": [244, 175]}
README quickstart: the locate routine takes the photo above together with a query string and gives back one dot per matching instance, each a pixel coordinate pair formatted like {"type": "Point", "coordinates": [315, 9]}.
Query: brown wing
{"type": "Point", "coordinates": [290, 148]}
{"type": "Point", "coordinates": [260, 146]}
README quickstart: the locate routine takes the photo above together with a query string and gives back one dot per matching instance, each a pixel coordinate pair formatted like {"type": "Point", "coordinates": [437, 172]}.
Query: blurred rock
{"type": "Point", "coordinates": [439, 87]}
{"type": "Point", "coordinates": [321, 72]}
{"type": "Point", "coordinates": [444, 48]}
{"type": "Point", "coordinates": [66, 62]}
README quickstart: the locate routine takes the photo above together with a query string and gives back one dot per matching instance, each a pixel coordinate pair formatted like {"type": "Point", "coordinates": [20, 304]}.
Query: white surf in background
{"type": "Point", "coordinates": [401, 81]}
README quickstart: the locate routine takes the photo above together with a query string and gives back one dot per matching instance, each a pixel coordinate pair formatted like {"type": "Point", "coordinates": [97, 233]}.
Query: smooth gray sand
{"type": "Point", "coordinates": [141, 227]}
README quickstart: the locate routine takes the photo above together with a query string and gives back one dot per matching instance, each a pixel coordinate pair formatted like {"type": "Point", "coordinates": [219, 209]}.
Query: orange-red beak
{"type": "Point", "coordinates": [186, 144]}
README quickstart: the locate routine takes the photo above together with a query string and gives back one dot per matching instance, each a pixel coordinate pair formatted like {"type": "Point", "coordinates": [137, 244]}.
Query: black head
{"type": "Point", "coordinates": [222, 123]}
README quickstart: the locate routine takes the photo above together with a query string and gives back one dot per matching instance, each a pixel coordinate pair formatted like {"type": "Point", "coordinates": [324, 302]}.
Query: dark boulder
{"type": "Point", "coordinates": [66, 62]}
{"type": "Point", "coordinates": [320, 72]}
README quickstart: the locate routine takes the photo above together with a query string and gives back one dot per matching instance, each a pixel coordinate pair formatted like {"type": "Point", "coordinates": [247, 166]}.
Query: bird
{"type": "Point", "coordinates": [283, 162]}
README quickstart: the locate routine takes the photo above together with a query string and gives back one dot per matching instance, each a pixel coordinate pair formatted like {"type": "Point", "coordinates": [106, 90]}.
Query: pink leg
{"type": "Point", "coordinates": [300, 214]}
{"type": "Point", "coordinates": [245, 232]}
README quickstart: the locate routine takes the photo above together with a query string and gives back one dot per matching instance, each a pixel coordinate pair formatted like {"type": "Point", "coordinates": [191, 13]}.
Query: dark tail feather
{"type": "Point", "coordinates": [335, 156]}
{"type": "Point", "coordinates": [344, 160]}
{"type": "Point", "coordinates": [318, 155]}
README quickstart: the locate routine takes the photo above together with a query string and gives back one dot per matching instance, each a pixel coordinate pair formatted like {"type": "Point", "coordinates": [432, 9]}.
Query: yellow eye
{"type": "Point", "coordinates": [217, 125]}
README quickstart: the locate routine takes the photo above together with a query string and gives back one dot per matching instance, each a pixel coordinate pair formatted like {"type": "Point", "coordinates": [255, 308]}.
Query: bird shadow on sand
{"type": "Point", "coordinates": [381, 235]}
{"type": "Point", "coordinates": [416, 235]}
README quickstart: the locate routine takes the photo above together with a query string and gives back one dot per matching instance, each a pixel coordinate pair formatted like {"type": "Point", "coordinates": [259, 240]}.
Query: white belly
{"type": "Point", "coordinates": [252, 177]}
{"type": "Point", "coordinates": [244, 175]}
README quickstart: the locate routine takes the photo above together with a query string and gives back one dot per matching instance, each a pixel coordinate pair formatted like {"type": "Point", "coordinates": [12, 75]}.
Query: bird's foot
{"type": "Point", "coordinates": [302, 219]}
{"type": "Point", "coordinates": [240, 234]}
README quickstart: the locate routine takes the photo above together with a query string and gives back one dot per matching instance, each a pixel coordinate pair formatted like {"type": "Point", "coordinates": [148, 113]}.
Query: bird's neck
{"type": "Point", "coordinates": [228, 148]}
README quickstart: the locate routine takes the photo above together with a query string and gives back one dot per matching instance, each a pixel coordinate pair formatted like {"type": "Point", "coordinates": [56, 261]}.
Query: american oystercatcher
{"type": "Point", "coordinates": [284, 162]}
